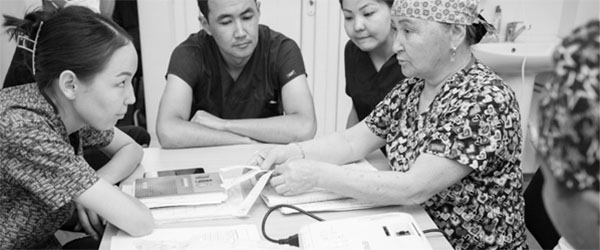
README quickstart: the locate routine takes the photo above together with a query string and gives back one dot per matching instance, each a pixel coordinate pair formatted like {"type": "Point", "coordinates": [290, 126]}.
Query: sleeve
{"type": "Point", "coordinates": [45, 165]}
{"type": "Point", "coordinates": [476, 131]}
{"type": "Point", "coordinates": [184, 65]}
{"type": "Point", "coordinates": [290, 62]}
{"type": "Point", "coordinates": [93, 138]}
{"type": "Point", "coordinates": [380, 119]}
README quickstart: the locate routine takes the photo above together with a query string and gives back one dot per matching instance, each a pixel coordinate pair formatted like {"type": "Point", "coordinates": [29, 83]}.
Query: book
{"type": "Point", "coordinates": [236, 204]}
{"type": "Point", "coordinates": [180, 190]}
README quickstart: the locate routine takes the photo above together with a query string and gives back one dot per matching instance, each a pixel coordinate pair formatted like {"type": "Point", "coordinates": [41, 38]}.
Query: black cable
{"type": "Point", "coordinates": [292, 240]}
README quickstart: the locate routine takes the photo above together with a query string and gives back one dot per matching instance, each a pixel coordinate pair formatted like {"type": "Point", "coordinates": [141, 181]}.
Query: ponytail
{"type": "Point", "coordinates": [26, 32]}
{"type": "Point", "coordinates": [72, 38]}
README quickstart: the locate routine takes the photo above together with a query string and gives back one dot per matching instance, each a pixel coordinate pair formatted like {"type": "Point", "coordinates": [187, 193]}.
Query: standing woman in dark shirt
{"type": "Point", "coordinates": [371, 67]}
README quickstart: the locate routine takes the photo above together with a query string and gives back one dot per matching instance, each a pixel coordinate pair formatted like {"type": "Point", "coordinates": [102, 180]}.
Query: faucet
{"type": "Point", "coordinates": [511, 31]}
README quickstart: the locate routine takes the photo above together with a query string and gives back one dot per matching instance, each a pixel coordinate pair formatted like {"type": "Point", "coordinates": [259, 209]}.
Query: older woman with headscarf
{"type": "Point", "coordinates": [451, 131]}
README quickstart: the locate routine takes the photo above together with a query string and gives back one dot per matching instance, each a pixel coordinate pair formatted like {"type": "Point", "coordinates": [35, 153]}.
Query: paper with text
{"type": "Point", "coordinates": [244, 237]}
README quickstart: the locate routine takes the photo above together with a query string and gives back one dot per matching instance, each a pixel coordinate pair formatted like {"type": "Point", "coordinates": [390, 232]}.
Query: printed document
{"type": "Point", "coordinates": [236, 237]}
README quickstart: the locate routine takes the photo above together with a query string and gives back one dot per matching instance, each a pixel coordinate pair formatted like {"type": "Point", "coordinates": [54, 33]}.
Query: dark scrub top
{"type": "Point", "coordinates": [475, 121]}
{"type": "Point", "coordinates": [42, 169]}
{"type": "Point", "coordinates": [364, 84]}
{"type": "Point", "coordinates": [257, 91]}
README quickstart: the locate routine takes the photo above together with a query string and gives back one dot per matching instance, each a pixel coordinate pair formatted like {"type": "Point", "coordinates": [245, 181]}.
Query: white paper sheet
{"type": "Point", "coordinates": [212, 238]}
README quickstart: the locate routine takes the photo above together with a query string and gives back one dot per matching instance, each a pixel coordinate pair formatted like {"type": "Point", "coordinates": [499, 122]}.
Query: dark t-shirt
{"type": "Point", "coordinates": [257, 91]}
{"type": "Point", "coordinates": [364, 84]}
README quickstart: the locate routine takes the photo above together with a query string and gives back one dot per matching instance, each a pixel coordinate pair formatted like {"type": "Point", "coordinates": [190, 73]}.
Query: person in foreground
{"type": "Point", "coordinates": [235, 82]}
{"type": "Point", "coordinates": [451, 130]}
{"type": "Point", "coordinates": [83, 64]}
{"type": "Point", "coordinates": [370, 64]}
{"type": "Point", "coordinates": [567, 139]}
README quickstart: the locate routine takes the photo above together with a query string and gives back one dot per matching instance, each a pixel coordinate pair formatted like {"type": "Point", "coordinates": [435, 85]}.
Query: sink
{"type": "Point", "coordinates": [508, 57]}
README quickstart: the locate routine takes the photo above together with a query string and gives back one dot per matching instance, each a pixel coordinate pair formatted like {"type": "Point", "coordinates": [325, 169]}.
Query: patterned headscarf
{"type": "Point", "coordinates": [570, 112]}
{"type": "Point", "coordinates": [445, 11]}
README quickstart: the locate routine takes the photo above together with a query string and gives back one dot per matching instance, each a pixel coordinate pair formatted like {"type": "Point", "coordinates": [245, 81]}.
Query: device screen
{"type": "Point", "coordinates": [181, 172]}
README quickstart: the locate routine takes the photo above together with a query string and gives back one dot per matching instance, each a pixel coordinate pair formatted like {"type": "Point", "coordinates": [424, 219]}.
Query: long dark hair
{"type": "Point", "coordinates": [73, 38]}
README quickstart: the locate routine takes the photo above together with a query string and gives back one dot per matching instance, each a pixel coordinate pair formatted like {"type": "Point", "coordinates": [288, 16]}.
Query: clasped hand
{"type": "Point", "coordinates": [291, 174]}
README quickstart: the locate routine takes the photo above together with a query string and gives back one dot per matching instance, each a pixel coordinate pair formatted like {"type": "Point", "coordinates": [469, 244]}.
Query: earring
{"type": "Point", "coordinates": [453, 56]}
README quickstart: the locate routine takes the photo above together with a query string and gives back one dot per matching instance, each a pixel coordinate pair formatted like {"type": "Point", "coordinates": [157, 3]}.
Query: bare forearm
{"type": "Point", "coordinates": [279, 129]}
{"type": "Point", "coordinates": [381, 187]}
{"type": "Point", "coordinates": [341, 147]}
{"type": "Point", "coordinates": [185, 134]}
{"type": "Point", "coordinates": [122, 164]}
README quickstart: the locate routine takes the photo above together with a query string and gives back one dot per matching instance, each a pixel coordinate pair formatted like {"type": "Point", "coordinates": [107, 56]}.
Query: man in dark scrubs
{"type": "Point", "coordinates": [235, 82]}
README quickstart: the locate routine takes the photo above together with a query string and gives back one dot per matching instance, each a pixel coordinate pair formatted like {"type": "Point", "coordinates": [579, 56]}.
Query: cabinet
{"type": "Point", "coordinates": [314, 24]}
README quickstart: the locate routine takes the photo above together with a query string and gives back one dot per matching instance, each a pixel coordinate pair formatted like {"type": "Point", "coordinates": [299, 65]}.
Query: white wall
{"type": "Point", "coordinates": [548, 18]}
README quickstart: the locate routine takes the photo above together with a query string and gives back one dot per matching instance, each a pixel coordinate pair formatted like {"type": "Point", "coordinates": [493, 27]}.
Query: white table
{"type": "Point", "coordinates": [278, 225]}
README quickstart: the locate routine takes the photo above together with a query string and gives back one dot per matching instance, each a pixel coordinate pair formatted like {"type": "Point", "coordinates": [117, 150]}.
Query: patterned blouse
{"type": "Point", "coordinates": [475, 121]}
{"type": "Point", "coordinates": [41, 168]}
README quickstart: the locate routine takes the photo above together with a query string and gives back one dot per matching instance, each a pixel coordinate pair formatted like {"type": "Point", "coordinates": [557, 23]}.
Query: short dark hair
{"type": "Point", "coordinates": [73, 38]}
{"type": "Point", "coordinates": [203, 5]}
{"type": "Point", "coordinates": [476, 31]}
{"type": "Point", "coordinates": [388, 2]}
{"type": "Point", "coordinates": [473, 32]}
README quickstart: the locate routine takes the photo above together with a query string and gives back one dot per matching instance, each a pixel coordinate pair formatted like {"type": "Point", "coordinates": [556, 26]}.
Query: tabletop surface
{"type": "Point", "coordinates": [279, 225]}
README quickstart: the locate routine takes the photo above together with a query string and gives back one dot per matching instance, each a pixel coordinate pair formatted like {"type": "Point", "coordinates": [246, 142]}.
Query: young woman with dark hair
{"type": "Point", "coordinates": [371, 67]}
{"type": "Point", "coordinates": [82, 64]}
